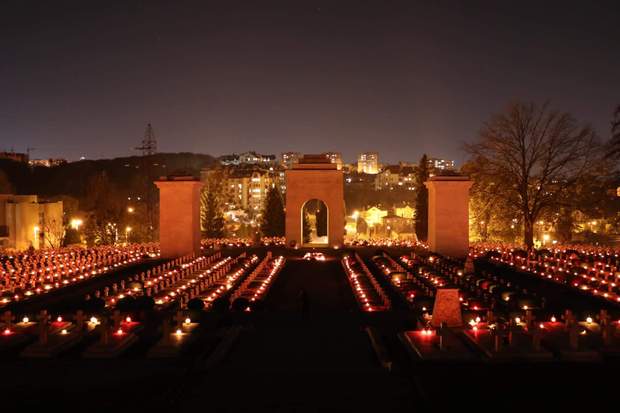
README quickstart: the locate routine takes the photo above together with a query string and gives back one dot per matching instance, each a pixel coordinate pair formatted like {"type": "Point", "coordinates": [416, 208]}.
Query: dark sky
{"type": "Point", "coordinates": [400, 77]}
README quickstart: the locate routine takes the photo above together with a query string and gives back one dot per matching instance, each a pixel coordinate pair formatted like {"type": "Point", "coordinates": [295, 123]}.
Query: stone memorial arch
{"type": "Point", "coordinates": [314, 177]}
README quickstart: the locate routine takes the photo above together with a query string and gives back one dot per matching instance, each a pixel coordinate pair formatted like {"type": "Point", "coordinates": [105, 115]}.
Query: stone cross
{"type": "Point", "coordinates": [165, 329]}
{"type": "Point", "coordinates": [569, 318]}
{"type": "Point", "coordinates": [8, 318]}
{"type": "Point", "coordinates": [603, 318]}
{"type": "Point", "coordinates": [117, 317]}
{"type": "Point", "coordinates": [573, 337]}
{"type": "Point", "coordinates": [510, 336]}
{"type": "Point", "coordinates": [490, 317]}
{"type": "Point", "coordinates": [79, 320]}
{"type": "Point", "coordinates": [497, 341]}
{"type": "Point", "coordinates": [179, 318]}
{"type": "Point", "coordinates": [536, 333]}
{"type": "Point", "coordinates": [43, 318]}
{"type": "Point", "coordinates": [529, 319]}
{"type": "Point", "coordinates": [608, 331]}
{"type": "Point", "coordinates": [105, 331]}
{"type": "Point", "coordinates": [442, 335]}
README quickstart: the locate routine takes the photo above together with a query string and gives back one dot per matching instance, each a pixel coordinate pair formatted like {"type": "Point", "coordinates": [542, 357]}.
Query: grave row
{"type": "Point", "coordinates": [138, 283]}
{"type": "Point", "coordinates": [106, 337]}
{"type": "Point", "coordinates": [593, 273]}
{"type": "Point", "coordinates": [256, 286]}
{"type": "Point", "coordinates": [111, 336]}
{"type": "Point", "coordinates": [229, 282]}
{"type": "Point", "coordinates": [511, 334]}
{"type": "Point", "coordinates": [178, 283]}
{"type": "Point", "coordinates": [116, 334]}
{"type": "Point", "coordinates": [399, 278]}
{"type": "Point", "coordinates": [368, 292]}
{"type": "Point", "coordinates": [192, 282]}
{"type": "Point", "coordinates": [479, 292]}
{"type": "Point", "coordinates": [25, 275]}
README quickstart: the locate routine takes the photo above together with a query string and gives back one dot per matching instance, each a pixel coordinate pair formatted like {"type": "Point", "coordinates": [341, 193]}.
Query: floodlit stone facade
{"type": "Point", "coordinates": [27, 222]}
{"type": "Point", "coordinates": [315, 177]}
{"type": "Point", "coordinates": [448, 215]}
{"type": "Point", "coordinates": [179, 215]}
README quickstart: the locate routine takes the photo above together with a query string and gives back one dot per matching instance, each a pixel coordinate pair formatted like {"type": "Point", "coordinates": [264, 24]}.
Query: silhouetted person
{"type": "Point", "coordinates": [303, 303]}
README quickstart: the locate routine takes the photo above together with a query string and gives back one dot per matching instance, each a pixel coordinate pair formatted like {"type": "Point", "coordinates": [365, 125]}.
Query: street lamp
{"type": "Point", "coordinates": [76, 223]}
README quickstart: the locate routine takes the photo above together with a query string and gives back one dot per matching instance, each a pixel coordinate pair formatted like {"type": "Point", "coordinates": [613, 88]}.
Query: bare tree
{"type": "Point", "coordinates": [532, 156]}
{"type": "Point", "coordinates": [613, 150]}
{"type": "Point", "coordinates": [54, 232]}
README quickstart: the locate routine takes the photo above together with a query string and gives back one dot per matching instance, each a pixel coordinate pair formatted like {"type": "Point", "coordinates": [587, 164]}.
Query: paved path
{"type": "Point", "coordinates": [322, 363]}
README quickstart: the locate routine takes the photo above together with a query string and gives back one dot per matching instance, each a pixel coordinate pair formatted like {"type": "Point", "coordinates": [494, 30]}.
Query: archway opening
{"type": "Point", "coordinates": [315, 223]}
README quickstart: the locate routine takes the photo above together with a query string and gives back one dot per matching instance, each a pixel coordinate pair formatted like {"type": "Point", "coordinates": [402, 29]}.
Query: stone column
{"type": "Point", "coordinates": [448, 215]}
{"type": "Point", "coordinates": [179, 215]}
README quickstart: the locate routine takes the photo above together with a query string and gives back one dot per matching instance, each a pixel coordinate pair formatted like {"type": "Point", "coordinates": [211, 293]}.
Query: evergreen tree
{"type": "Point", "coordinates": [5, 184]}
{"type": "Point", "coordinates": [272, 224]}
{"type": "Point", "coordinates": [211, 217]}
{"type": "Point", "coordinates": [72, 237]}
{"type": "Point", "coordinates": [104, 205]}
{"type": "Point", "coordinates": [421, 203]}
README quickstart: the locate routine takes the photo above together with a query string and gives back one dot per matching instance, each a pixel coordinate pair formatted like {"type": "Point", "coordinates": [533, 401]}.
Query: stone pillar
{"type": "Point", "coordinates": [448, 215]}
{"type": "Point", "coordinates": [179, 215]}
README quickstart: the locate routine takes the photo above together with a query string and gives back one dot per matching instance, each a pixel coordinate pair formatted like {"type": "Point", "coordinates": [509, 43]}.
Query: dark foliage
{"type": "Point", "coordinates": [421, 202]}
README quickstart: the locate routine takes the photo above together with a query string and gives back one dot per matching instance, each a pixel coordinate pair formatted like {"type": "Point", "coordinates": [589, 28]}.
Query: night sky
{"type": "Point", "coordinates": [400, 77]}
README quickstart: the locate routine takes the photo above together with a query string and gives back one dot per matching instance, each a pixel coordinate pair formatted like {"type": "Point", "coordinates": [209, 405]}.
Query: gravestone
{"type": "Point", "coordinates": [447, 308]}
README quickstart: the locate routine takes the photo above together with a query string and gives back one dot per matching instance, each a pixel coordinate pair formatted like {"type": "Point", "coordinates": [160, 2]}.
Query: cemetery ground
{"type": "Point", "coordinates": [280, 358]}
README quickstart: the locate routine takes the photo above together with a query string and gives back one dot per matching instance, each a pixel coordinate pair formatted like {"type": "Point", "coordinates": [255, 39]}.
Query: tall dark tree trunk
{"type": "Point", "coordinates": [528, 233]}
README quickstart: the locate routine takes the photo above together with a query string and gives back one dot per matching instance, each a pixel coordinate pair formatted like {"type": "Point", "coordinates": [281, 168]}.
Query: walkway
{"type": "Point", "coordinates": [320, 364]}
